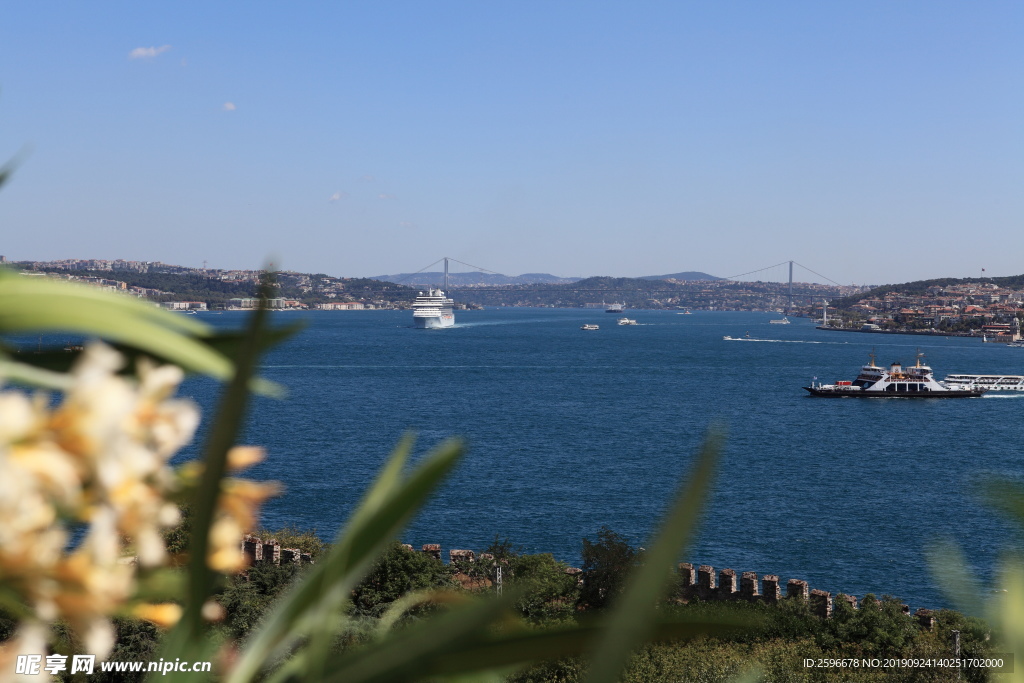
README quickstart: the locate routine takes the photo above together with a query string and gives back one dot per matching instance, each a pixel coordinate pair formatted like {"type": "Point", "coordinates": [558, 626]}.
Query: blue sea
{"type": "Point", "coordinates": [568, 431]}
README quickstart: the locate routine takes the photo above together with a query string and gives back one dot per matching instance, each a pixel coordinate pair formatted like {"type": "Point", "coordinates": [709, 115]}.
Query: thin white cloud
{"type": "Point", "coordinates": [385, 195]}
{"type": "Point", "coordinates": [229, 106]}
{"type": "Point", "coordinates": [337, 195]}
{"type": "Point", "coordinates": [147, 52]}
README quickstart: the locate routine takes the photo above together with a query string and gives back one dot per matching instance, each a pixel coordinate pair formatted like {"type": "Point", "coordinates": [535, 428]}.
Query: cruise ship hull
{"type": "Point", "coordinates": [434, 322]}
{"type": "Point", "coordinates": [432, 311]}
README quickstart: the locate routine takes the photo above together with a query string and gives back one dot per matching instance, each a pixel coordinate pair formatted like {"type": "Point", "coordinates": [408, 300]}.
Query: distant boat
{"type": "Point", "coordinates": [783, 321]}
{"type": "Point", "coordinates": [916, 381]}
{"type": "Point", "coordinates": [432, 310]}
{"type": "Point", "coordinates": [627, 321]}
{"type": "Point", "coordinates": [590, 327]}
{"type": "Point", "coordinates": [615, 308]}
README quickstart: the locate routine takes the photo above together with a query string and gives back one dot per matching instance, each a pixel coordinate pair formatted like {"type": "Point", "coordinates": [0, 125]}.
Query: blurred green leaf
{"type": "Point", "coordinates": [1008, 615]}
{"type": "Point", "coordinates": [1006, 496]}
{"type": "Point", "coordinates": [20, 373]}
{"type": "Point", "coordinates": [187, 638]}
{"type": "Point", "coordinates": [40, 305]}
{"type": "Point", "coordinates": [950, 568]}
{"type": "Point", "coordinates": [633, 615]}
{"type": "Point", "coordinates": [460, 642]}
{"type": "Point", "coordinates": [226, 343]}
{"type": "Point", "coordinates": [313, 605]}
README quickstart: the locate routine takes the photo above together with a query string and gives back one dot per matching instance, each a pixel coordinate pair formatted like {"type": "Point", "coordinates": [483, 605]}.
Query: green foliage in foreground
{"type": "Point", "coordinates": [785, 636]}
{"type": "Point", "coordinates": [777, 639]}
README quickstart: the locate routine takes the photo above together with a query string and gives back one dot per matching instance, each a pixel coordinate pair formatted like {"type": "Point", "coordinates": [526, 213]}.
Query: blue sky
{"type": "Point", "coordinates": [872, 141]}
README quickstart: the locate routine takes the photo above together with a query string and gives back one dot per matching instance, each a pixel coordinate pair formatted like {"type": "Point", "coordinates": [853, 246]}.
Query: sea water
{"type": "Point", "coordinates": [570, 430]}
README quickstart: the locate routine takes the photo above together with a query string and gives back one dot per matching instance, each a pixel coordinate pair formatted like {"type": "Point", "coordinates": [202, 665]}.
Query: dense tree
{"type": "Point", "coordinates": [606, 564]}
{"type": "Point", "coordinates": [397, 572]}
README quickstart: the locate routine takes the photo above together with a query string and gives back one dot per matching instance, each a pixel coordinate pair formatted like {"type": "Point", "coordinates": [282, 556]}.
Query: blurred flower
{"type": "Point", "coordinates": [165, 614]}
{"type": "Point", "coordinates": [98, 459]}
{"type": "Point", "coordinates": [239, 503]}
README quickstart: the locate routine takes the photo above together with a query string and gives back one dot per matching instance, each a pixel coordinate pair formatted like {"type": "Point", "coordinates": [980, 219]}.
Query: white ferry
{"type": "Point", "coordinates": [589, 327]}
{"type": "Point", "coordinates": [615, 308]}
{"type": "Point", "coordinates": [916, 381]}
{"type": "Point", "coordinates": [627, 321]}
{"type": "Point", "coordinates": [781, 321]}
{"type": "Point", "coordinates": [986, 382]}
{"type": "Point", "coordinates": [433, 310]}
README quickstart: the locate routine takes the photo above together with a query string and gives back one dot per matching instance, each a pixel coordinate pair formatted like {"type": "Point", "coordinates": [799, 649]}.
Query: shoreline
{"type": "Point", "coordinates": [926, 333]}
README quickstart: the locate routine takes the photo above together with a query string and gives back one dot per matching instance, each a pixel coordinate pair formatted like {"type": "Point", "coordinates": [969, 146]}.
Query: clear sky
{"type": "Point", "coordinates": [873, 142]}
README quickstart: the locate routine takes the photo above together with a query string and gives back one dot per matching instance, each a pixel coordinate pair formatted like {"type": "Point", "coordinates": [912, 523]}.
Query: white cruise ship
{"type": "Point", "coordinates": [433, 310]}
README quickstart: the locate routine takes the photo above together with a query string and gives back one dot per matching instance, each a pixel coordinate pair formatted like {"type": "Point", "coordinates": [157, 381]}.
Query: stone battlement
{"type": "Point", "coordinates": [257, 550]}
{"type": "Point", "coordinates": [704, 584]}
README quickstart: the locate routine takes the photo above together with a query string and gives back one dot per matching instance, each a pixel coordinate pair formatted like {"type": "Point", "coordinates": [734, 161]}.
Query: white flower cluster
{"type": "Point", "coordinates": [97, 461]}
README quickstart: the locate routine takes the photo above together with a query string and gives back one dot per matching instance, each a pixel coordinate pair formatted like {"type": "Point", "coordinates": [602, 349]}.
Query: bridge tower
{"type": "Point", "coordinates": [789, 308]}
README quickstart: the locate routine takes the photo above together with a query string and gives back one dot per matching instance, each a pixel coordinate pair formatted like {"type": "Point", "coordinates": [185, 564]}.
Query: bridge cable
{"type": "Point", "coordinates": [733, 277]}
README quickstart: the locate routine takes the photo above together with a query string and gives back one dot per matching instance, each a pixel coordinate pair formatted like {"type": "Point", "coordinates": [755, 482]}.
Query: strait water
{"type": "Point", "coordinates": [570, 430]}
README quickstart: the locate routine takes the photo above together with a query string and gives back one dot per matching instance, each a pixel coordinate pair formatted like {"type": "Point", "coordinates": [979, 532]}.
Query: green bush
{"type": "Point", "coordinates": [246, 597]}
{"type": "Point", "coordinates": [606, 564]}
{"type": "Point", "coordinates": [397, 572]}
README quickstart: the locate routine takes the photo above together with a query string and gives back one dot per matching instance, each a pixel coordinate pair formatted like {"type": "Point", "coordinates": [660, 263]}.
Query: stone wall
{"type": "Point", "coordinates": [701, 584]}
{"type": "Point", "coordinates": [258, 550]}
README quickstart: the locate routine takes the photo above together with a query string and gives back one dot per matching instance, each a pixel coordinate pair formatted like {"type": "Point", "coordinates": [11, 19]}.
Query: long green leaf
{"type": "Point", "coordinates": [401, 655]}
{"type": "Point", "coordinates": [314, 602]}
{"type": "Point", "coordinates": [1006, 496]}
{"type": "Point", "coordinates": [630, 622]}
{"type": "Point", "coordinates": [188, 635]}
{"type": "Point", "coordinates": [32, 376]}
{"type": "Point", "coordinates": [323, 620]}
{"type": "Point", "coordinates": [950, 568]}
{"type": "Point", "coordinates": [35, 304]}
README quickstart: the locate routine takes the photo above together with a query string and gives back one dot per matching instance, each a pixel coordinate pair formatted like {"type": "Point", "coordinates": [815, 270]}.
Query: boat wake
{"type": "Point", "coordinates": [492, 323]}
{"type": "Point", "coordinates": [779, 341]}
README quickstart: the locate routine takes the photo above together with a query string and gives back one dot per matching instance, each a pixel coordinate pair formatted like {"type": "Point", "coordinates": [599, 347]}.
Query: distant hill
{"type": "Point", "coordinates": [688, 275]}
{"type": "Point", "coordinates": [474, 279]}
{"type": "Point", "coordinates": [918, 287]}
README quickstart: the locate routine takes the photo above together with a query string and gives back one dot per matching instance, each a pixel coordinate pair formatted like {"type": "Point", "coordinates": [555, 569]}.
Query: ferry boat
{"type": "Point", "coordinates": [986, 382]}
{"type": "Point", "coordinates": [916, 381]}
{"type": "Point", "coordinates": [590, 327]}
{"type": "Point", "coordinates": [627, 321]}
{"type": "Point", "coordinates": [615, 308]}
{"type": "Point", "coordinates": [432, 310]}
{"type": "Point", "coordinates": [781, 321]}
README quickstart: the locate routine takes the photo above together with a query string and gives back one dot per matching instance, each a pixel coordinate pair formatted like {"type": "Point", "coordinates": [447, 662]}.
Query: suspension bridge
{"type": "Point", "coordinates": [779, 277]}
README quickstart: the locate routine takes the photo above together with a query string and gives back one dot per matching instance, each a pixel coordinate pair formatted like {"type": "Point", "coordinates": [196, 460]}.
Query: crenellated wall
{"type": "Point", "coordinates": [701, 584]}
{"type": "Point", "coordinates": [257, 550]}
